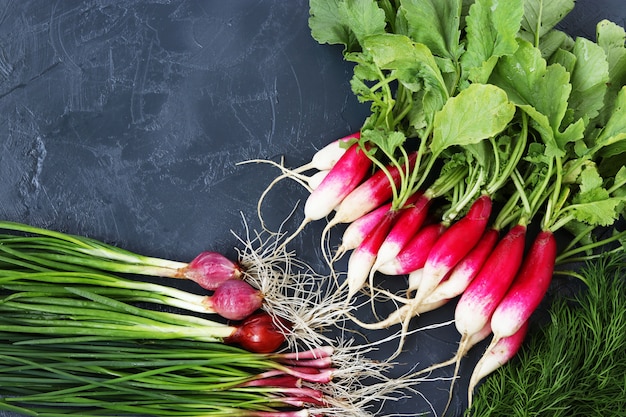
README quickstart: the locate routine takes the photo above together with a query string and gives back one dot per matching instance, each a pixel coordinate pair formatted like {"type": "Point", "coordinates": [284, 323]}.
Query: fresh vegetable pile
{"type": "Point", "coordinates": [489, 132]}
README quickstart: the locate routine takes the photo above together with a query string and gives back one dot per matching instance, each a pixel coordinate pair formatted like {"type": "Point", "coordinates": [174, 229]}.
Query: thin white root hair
{"type": "Point", "coordinates": [475, 378]}
{"type": "Point", "coordinates": [378, 292]}
{"type": "Point", "coordinates": [324, 243]}
{"type": "Point", "coordinates": [360, 386]}
{"type": "Point", "coordinates": [458, 357]}
{"type": "Point", "coordinates": [292, 290]}
{"type": "Point", "coordinates": [293, 174]}
{"type": "Point", "coordinates": [400, 315]}
{"type": "Point", "coordinates": [259, 204]}
{"type": "Point", "coordinates": [341, 250]}
{"type": "Point", "coordinates": [281, 166]}
{"type": "Point", "coordinates": [413, 310]}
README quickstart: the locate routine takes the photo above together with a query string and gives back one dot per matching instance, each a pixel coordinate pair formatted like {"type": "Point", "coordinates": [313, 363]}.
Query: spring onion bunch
{"type": "Point", "coordinates": [36, 261]}
{"type": "Point", "coordinates": [82, 338]}
{"type": "Point", "coordinates": [42, 376]}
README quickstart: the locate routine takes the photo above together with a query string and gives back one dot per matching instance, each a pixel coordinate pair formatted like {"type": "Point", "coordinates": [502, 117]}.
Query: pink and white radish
{"type": "Point", "coordinates": [327, 157]}
{"type": "Point", "coordinates": [349, 171]}
{"type": "Point", "coordinates": [316, 179]}
{"type": "Point", "coordinates": [408, 224]}
{"type": "Point", "coordinates": [464, 272]}
{"type": "Point", "coordinates": [413, 255]}
{"type": "Point", "coordinates": [495, 356]}
{"type": "Point", "coordinates": [363, 257]}
{"type": "Point", "coordinates": [414, 280]}
{"type": "Point", "coordinates": [345, 176]}
{"type": "Point", "coordinates": [483, 294]}
{"type": "Point", "coordinates": [369, 195]}
{"type": "Point", "coordinates": [453, 245]}
{"type": "Point", "coordinates": [510, 318]}
{"type": "Point", "coordinates": [356, 232]}
{"type": "Point", "coordinates": [322, 161]}
{"type": "Point", "coordinates": [475, 307]}
{"type": "Point", "coordinates": [529, 287]}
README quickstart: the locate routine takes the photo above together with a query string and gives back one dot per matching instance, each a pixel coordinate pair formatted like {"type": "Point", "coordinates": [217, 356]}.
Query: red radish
{"type": "Point", "coordinates": [413, 256]}
{"type": "Point", "coordinates": [409, 222]}
{"type": "Point", "coordinates": [496, 356]}
{"type": "Point", "coordinates": [481, 297]}
{"type": "Point", "coordinates": [475, 307]}
{"type": "Point", "coordinates": [260, 333]}
{"type": "Point", "coordinates": [528, 288]}
{"type": "Point", "coordinates": [363, 257]}
{"type": "Point", "coordinates": [210, 270]}
{"type": "Point", "coordinates": [372, 193]}
{"type": "Point", "coordinates": [464, 272]}
{"type": "Point", "coordinates": [344, 177]}
{"type": "Point", "coordinates": [235, 300]}
{"type": "Point", "coordinates": [356, 232]}
{"type": "Point", "coordinates": [453, 245]}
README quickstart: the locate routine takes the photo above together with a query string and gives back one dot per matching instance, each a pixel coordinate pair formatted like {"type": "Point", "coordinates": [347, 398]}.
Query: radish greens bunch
{"type": "Point", "coordinates": [495, 130]}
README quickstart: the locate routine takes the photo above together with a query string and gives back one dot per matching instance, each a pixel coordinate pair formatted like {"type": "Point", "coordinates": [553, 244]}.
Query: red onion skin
{"type": "Point", "coordinates": [235, 299]}
{"type": "Point", "coordinates": [210, 270]}
{"type": "Point", "coordinates": [258, 333]}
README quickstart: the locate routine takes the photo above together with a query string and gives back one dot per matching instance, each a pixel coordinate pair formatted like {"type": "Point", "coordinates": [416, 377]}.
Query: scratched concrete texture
{"type": "Point", "coordinates": [125, 121]}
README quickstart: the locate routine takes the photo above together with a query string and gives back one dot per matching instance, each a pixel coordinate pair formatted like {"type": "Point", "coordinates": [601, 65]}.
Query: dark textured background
{"type": "Point", "coordinates": [123, 121]}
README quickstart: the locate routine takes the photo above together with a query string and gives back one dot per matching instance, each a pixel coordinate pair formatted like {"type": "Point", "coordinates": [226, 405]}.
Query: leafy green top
{"type": "Point", "coordinates": [537, 117]}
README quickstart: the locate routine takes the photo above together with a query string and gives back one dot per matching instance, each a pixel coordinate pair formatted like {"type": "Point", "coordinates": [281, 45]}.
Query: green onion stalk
{"type": "Point", "coordinates": [40, 375]}
{"type": "Point", "coordinates": [57, 303]}
{"type": "Point", "coordinates": [61, 250]}
{"type": "Point", "coordinates": [265, 277]}
{"type": "Point", "coordinates": [79, 339]}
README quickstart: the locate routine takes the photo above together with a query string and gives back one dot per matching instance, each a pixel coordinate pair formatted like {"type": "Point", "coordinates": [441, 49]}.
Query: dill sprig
{"type": "Point", "coordinates": [575, 365]}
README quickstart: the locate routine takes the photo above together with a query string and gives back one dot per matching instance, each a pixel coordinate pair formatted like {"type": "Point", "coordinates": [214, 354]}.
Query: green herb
{"type": "Point", "coordinates": [575, 364]}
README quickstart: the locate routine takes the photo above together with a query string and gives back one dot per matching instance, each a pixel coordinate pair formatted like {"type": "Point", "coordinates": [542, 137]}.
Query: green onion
{"type": "Point", "coordinates": [150, 377]}
{"type": "Point", "coordinates": [75, 305]}
{"type": "Point", "coordinates": [50, 249]}
{"type": "Point", "coordinates": [82, 336]}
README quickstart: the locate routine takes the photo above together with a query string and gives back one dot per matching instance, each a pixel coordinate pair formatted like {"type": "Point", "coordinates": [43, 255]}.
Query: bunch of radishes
{"type": "Point", "coordinates": [462, 234]}
{"type": "Point", "coordinates": [473, 156]}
